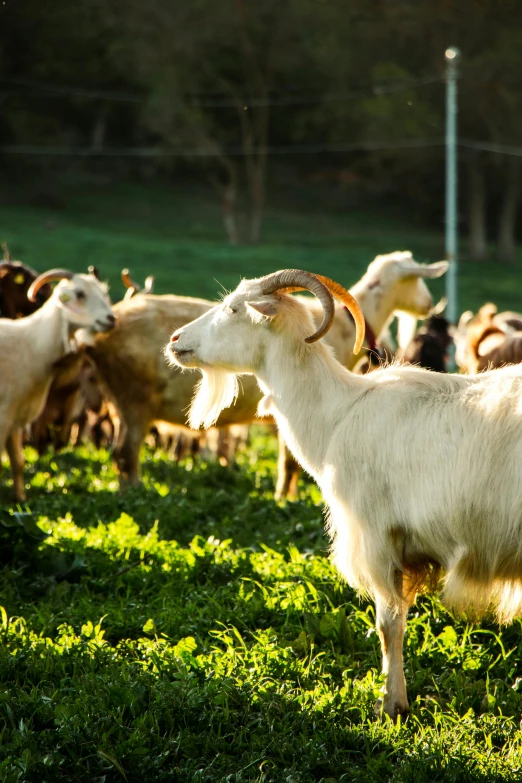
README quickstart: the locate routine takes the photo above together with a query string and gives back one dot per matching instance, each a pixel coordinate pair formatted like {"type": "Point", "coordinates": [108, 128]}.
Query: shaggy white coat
{"type": "Point", "coordinates": [419, 470]}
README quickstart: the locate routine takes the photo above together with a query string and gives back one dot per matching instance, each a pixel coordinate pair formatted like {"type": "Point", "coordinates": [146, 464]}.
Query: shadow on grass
{"type": "Point", "coordinates": [187, 499]}
{"type": "Point", "coordinates": [87, 714]}
{"type": "Point", "coordinates": [256, 708]}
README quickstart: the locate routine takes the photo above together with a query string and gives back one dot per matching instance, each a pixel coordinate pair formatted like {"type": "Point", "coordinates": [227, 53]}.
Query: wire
{"type": "Point", "coordinates": [155, 152]}
{"type": "Point", "coordinates": [297, 149]}
{"type": "Point", "coordinates": [486, 146]}
{"type": "Point", "coordinates": [108, 95]}
{"type": "Point", "coordinates": [196, 100]}
{"type": "Point", "coordinates": [373, 92]}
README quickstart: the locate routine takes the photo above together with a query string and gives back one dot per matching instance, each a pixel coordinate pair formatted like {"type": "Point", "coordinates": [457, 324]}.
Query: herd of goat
{"type": "Point", "coordinates": [419, 468]}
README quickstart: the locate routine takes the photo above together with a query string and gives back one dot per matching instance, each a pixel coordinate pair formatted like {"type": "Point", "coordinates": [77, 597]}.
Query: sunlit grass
{"type": "Point", "coordinates": [195, 630]}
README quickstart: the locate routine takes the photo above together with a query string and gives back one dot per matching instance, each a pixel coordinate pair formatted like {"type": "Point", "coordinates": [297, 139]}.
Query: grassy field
{"type": "Point", "coordinates": [193, 629]}
{"type": "Point", "coordinates": [176, 234]}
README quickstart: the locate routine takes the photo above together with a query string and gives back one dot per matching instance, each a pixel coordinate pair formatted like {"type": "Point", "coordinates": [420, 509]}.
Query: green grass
{"type": "Point", "coordinates": [176, 234]}
{"type": "Point", "coordinates": [194, 630]}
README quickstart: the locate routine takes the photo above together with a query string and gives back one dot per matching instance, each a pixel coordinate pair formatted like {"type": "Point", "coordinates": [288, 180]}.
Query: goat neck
{"type": "Point", "coordinates": [48, 330]}
{"type": "Point", "coordinates": [308, 392]}
{"type": "Point", "coordinates": [376, 303]}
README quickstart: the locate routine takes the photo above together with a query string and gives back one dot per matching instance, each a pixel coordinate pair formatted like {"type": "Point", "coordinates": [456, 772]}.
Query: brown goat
{"type": "Point", "coordinates": [488, 345]}
{"type": "Point", "coordinates": [139, 382]}
{"type": "Point", "coordinates": [74, 391]}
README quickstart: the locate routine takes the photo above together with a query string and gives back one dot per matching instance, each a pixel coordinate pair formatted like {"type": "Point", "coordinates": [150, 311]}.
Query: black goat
{"type": "Point", "coordinates": [429, 347]}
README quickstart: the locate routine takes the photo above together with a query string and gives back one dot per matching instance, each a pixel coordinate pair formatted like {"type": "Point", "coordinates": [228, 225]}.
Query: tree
{"type": "Point", "coordinates": [476, 202]}
{"type": "Point", "coordinates": [210, 70]}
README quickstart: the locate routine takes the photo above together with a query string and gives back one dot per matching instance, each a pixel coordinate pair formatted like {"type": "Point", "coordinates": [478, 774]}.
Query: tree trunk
{"type": "Point", "coordinates": [257, 201]}
{"type": "Point", "coordinates": [255, 134]}
{"type": "Point", "coordinates": [228, 194]}
{"type": "Point", "coordinates": [100, 128]}
{"type": "Point", "coordinates": [229, 212]}
{"type": "Point", "coordinates": [254, 124]}
{"type": "Point", "coordinates": [506, 249]}
{"type": "Point", "coordinates": [477, 240]}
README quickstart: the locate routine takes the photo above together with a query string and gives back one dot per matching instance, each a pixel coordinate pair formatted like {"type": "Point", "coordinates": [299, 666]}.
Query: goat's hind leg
{"type": "Point", "coordinates": [391, 624]}
{"type": "Point", "coordinates": [288, 471]}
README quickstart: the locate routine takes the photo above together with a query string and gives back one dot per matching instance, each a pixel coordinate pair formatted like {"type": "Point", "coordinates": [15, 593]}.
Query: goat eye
{"type": "Point", "coordinates": [231, 310]}
{"type": "Point", "coordinates": [80, 295]}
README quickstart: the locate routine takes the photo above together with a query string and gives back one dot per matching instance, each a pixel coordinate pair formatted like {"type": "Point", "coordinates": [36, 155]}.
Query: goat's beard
{"type": "Point", "coordinates": [216, 390]}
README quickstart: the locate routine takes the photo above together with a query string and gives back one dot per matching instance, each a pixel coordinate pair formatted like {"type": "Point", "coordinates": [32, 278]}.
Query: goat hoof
{"type": "Point", "coordinates": [393, 711]}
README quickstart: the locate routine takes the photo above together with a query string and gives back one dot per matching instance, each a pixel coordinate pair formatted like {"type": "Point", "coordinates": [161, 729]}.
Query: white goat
{"type": "Point", "coordinates": [145, 391]}
{"type": "Point", "coordinates": [420, 470]}
{"type": "Point", "coordinates": [394, 284]}
{"type": "Point", "coordinates": [30, 347]}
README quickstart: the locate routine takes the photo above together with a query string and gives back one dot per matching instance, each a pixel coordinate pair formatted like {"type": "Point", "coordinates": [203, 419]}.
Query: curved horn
{"type": "Point", "coordinates": [127, 280]}
{"type": "Point", "coordinates": [6, 252]}
{"type": "Point", "coordinates": [345, 297]}
{"type": "Point", "coordinates": [439, 308]}
{"type": "Point", "coordinates": [94, 271]}
{"type": "Point", "coordinates": [130, 285]}
{"type": "Point", "coordinates": [294, 280]}
{"type": "Point", "coordinates": [47, 277]}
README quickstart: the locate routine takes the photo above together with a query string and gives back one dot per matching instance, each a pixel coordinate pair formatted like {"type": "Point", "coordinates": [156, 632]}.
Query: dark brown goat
{"type": "Point", "coordinates": [74, 391]}
{"type": "Point", "coordinates": [15, 279]}
{"type": "Point", "coordinates": [429, 348]}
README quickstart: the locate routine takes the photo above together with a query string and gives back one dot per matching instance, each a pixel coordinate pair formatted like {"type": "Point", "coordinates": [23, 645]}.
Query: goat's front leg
{"type": "Point", "coordinates": [391, 625]}
{"type": "Point", "coordinates": [127, 452]}
{"type": "Point", "coordinates": [14, 447]}
{"type": "Point", "coordinates": [288, 471]}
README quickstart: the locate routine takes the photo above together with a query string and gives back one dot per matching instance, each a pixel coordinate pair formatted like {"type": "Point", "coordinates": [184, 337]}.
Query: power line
{"type": "Point", "coordinates": [372, 92]}
{"type": "Point", "coordinates": [158, 152]}
{"type": "Point", "coordinates": [283, 149]}
{"type": "Point", "coordinates": [80, 92]}
{"type": "Point", "coordinates": [198, 100]}
{"type": "Point", "coordinates": [486, 146]}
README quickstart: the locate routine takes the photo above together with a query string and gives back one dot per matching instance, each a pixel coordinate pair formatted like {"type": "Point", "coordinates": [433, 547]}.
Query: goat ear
{"type": "Point", "coordinates": [267, 309]}
{"type": "Point", "coordinates": [439, 307]}
{"type": "Point", "coordinates": [464, 320]}
{"type": "Point", "coordinates": [412, 269]}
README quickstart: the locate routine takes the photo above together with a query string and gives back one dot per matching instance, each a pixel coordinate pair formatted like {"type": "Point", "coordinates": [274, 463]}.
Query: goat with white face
{"type": "Point", "coordinates": [394, 284]}
{"type": "Point", "coordinates": [30, 347]}
{"type": "Point", "coordinates": [421, 471]}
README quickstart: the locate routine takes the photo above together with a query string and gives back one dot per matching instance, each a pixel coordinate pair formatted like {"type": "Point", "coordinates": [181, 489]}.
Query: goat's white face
{"type": "Point", "coordinates": [227, 340]}
{"type": "Point", "coordinates": [229, 336]}
{"type": "Point", "coordinates": [400, 273]}
{"type": "Point", "coordinates": [85, 303]}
